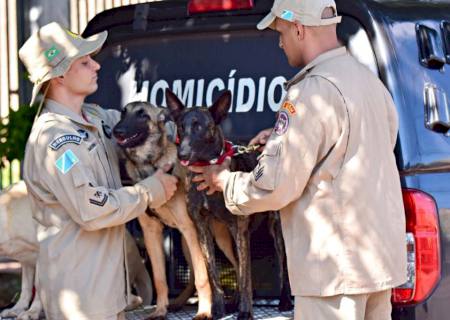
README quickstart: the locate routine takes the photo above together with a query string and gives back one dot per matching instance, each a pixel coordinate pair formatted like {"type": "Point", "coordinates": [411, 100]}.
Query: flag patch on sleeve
{"type": "Point", "coordinates": [66, 161]}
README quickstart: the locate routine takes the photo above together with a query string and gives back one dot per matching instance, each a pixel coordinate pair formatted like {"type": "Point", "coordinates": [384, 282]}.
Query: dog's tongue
{"type": "Point", "coordinates": [184, 163]}
{"type": "Point", "coordinates": [120, 140]}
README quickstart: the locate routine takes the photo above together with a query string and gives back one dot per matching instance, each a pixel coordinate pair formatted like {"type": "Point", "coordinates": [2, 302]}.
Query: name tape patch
{"type": "Point", "coordinates": [62, 140]}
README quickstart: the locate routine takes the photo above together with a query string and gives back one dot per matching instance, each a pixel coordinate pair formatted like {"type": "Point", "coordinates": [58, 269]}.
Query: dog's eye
{"type": "Point", "coordinates": [141, 114]}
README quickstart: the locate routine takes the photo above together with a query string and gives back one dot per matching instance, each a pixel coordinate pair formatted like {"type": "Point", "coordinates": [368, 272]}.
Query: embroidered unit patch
{"type": "Point", "coordinates": [100, 199]}
{"type": "Point", "coordinates": [66, 161]}
{"type": "Point", "coordinates": [282, 123]}
{"type": "Point", "coordinates": [289, 107]}
{"type": "Point", "coordinates": [62, 140]}
{"type": "Point", "coordinates": [83, 134]}
{"type": "Point", "coordinates": [51, 53]}
{"type": "Point", "coordinates": [288, 15]}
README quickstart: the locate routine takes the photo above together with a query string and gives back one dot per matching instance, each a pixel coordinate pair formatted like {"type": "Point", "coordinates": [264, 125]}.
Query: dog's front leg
{"type": "Point", "coordinates": [285, 303]}
{"type": "Point", "coordinates": [201, 221]}
{"type": "Point", "coordinates": [244, 274]}
{"type": "Point", "coordinates": [25, 294]}
{"type": "Point", "coordinates": [153, 237]}
{"type": "Point", "coordinates": [35, 309]}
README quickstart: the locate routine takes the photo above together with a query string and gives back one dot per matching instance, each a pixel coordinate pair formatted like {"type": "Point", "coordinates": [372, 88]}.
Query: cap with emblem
{"type": "Point", "coordinates": [307, 12]}
{"type": "Point", "coordinates": [50, 51]}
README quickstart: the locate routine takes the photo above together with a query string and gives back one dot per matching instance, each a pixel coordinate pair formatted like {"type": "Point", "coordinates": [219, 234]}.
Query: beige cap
{"type": "Point", "coordinates": [307, 12]}
{"type": "Point", "coordinates": [50, 51]}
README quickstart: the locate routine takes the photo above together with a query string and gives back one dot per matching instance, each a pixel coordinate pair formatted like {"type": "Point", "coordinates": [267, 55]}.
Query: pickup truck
{"type": "Point", "coordinates": [200, 47]}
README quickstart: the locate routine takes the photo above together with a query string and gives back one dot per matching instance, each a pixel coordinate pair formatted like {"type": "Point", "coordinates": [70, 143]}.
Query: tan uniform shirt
{"type": "Point", "coordinates": [329, 167]}
{"type": "Point", "coordinates": [72, 175]}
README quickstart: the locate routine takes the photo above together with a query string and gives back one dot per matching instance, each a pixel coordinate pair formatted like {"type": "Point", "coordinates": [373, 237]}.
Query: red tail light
{"type": "Point", "coordinates": [423, 243]}
{"type": "Point", "coordinates": [202, 6]}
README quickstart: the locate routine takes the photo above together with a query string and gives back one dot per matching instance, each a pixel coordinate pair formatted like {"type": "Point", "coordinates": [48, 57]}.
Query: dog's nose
{"type": "Point", "coordinates": [119, 131]}
{"type": "Point", "coordinates": [183, 154]}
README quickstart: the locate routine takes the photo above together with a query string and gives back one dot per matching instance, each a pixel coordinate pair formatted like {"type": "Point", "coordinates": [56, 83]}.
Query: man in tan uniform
{"type": "Point", "coordinates": [72, 174]}
{"type": "Point", "coordinates": [329, 167]}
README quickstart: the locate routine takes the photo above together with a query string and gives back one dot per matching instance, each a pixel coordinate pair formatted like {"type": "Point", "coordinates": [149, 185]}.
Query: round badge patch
{"type": "Point", "coordinates": [282, 123]}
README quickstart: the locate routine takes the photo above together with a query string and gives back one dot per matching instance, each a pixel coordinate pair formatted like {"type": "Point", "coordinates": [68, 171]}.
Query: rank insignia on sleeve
{"type": "Point", "coordinates": [282, 123]}
{"type": "Point", "coordinates": [258, 172]}
{"type": "Point", "coordinates": [66, 161]}
{"type": "Point", "coordinates": [62, 140]}
{"type": "Point", "coordinates": [100, 199]}
{"type": "Point", "coordinates": [289, 107]}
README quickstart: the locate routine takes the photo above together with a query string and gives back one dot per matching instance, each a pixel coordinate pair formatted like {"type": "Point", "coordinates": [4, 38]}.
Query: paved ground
{"type": "Point", "coordinates": [267, 312]}
{"type": "Point", "coordinates": [260, 312]}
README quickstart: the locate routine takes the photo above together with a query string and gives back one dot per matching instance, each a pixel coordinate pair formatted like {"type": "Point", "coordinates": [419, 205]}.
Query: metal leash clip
{"type": "Point", "coordinates": [246, 149]}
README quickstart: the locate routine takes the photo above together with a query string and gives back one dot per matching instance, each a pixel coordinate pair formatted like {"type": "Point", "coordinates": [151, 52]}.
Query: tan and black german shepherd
{"type": "Point", "coordinates": [143, 133]}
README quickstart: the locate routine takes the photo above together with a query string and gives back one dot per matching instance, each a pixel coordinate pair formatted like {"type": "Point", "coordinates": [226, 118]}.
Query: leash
{"type": "Point", "coordinates": [229, 150]}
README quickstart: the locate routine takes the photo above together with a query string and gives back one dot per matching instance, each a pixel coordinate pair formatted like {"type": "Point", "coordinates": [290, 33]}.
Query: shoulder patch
{"type": "Point", "coordinates": [62, 140]}
{"type": "Point", "coordinates": [282, 123]}
{"type": "Point", "coordinates": [289, 107]}
{"type": "Point", "coordinates": [66, 161]}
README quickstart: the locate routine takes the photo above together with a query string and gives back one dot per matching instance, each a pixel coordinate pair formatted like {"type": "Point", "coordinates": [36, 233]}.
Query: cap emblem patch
{"type": "Point", "coordinates": [288, 15]}
{"type": "Point", "coordinates": [51, 53]}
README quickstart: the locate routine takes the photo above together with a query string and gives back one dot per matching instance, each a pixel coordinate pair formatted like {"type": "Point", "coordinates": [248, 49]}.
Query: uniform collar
{"type": "Point", "coordinates": [318, 60]}
{"type": "Point", "coordinates": [61, 110]}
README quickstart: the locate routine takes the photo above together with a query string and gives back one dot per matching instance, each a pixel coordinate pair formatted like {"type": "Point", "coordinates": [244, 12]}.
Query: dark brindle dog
{"type": "Point", "coordinates": [143, 136]}
{"type": "Point", "coordinates": [201, 141]}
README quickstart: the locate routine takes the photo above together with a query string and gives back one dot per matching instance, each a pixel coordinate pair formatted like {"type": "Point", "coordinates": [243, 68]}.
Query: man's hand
{"type": "Point", "coordinates": [168, 182]}
{"type": "Point", "coordinates": [261, 138]}
{"type": "Point", "coordinates": [212, 177]}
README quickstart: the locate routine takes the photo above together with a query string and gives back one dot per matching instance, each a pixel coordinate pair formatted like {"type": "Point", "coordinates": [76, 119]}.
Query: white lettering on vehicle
{"type": "Point", "coordinates": [248, 94]}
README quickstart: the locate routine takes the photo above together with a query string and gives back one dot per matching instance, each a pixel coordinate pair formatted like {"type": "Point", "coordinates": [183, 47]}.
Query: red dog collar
{"type": "Point", "coordinates": [228, 151]}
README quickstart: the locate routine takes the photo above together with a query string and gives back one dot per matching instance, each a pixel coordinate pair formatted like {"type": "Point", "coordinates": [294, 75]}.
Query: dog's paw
{"type": "Point", "coordinates": [157, 315]}
{"type": "Point", "coordinates": [285, 305]}
{"type": "Point", "coordinates": [29, 315]}
{"type": "Point", "coordinates": [11, 313]}
{"type": "Point", "coordinates": [245, 316]}
{"type": "Point", "coordinates": [202, 316]}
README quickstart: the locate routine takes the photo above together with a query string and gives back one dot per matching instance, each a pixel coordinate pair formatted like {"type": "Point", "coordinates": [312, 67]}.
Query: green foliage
{"type": "Point", "coordinates": [14, 132]}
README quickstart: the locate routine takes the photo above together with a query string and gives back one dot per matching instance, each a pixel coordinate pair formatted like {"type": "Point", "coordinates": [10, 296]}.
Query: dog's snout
{"type": "Point", "coordinates": [183, 154]}
{"type": "Point", "coordinates": [119, 131]}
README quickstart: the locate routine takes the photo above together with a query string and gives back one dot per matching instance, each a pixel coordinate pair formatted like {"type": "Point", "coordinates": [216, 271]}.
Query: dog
{"type": "Point", "coordinates": [201, 142]}
{"type": "Point", "coordinates": [18, 241]}
{"type": "Point", "coordinates": [143, 134]}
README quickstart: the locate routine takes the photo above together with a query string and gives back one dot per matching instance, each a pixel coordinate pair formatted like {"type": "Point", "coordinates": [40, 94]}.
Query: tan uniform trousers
{"type": "Point", "coordinates": [371, 306]}
{"type": "Point", "coordinates": [119, 316]}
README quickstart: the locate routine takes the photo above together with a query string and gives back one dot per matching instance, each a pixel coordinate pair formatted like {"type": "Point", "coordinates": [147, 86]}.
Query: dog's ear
{"type": "Point", "coordinates": [219, 110]}
{"type": "Point", "coordinates": [174, 104]}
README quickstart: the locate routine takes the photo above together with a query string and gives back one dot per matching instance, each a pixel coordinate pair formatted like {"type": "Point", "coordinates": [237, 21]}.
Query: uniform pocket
{"type": "Point", "coordinates": [265, 175]}
{"type": "Point", "coordinates": [80, 176]}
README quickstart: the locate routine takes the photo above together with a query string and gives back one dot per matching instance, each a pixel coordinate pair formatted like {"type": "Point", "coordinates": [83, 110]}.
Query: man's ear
{"type": "Point", "coordinates": [300, 29]}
